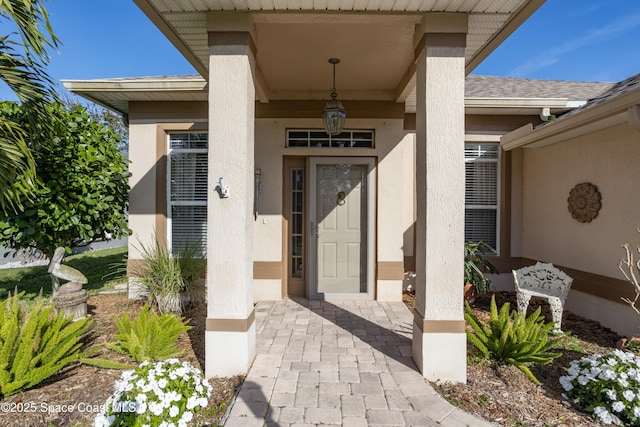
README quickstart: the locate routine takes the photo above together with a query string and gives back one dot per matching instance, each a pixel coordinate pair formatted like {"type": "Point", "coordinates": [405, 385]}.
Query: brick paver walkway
{"type": "Point", "coordinates": [338, 363]}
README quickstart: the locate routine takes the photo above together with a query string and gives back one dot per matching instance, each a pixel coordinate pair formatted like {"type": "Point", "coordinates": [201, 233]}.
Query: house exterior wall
{"type": "Point", "coordinates": [142, 198]}
{"type": "Point", "coordinates": [149, 124]}
{"type": "Point", "coordinates": [608, 159]}
{"type": "Point", "coordinates": [394, 205]}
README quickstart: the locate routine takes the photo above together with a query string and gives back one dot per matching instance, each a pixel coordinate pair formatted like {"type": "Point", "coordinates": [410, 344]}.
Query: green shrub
{"type": "Point", "coordinates": [166, 393]}
{"type": "Point", "coordinates": [606, 386]}
{"type": "Point", "coordinates": [149, 337]}
{"type": "Point", "coordinates": [513, 338]}
{"type": "Point", "coordinates": [35, 344]}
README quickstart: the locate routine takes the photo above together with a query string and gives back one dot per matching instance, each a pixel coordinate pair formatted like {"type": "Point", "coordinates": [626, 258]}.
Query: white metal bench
{"type": "Point", "coordinates": [546, 281]}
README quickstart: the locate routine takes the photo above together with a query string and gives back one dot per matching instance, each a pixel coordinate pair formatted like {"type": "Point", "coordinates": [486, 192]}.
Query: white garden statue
{"type": "Point", "coordinates": [59, 271]}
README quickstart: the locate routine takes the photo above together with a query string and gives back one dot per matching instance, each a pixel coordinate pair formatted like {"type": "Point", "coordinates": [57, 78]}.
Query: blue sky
{"type": "Point", "coordinates": [583, 40]}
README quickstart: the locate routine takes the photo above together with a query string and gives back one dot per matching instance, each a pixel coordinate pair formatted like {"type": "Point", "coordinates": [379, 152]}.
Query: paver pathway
{"type": "Point", "coordinates": [338, 363]}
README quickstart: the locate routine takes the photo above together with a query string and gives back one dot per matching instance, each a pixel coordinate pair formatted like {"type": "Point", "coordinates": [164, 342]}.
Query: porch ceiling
{"type": "Point", "coordinates": [373, 38]}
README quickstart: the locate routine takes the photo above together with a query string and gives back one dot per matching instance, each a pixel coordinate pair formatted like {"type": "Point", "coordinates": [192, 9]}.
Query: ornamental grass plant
{"type": "Point", "coordinates": [172, 278]}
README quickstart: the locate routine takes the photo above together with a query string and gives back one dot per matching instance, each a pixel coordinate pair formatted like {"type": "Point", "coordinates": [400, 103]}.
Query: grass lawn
{"type": "Point", "coordinates": [103, 268]}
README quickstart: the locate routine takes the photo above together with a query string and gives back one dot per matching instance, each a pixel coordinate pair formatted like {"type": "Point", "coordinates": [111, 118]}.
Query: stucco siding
{"type": "Point", "coordinates": [267, 229]}
{"type": "Point", "coordinates": [608, 159]}
{"type": "Point", "coordinates": [394, 151]}
{"type": "Point", "coordinates": [142, 197]}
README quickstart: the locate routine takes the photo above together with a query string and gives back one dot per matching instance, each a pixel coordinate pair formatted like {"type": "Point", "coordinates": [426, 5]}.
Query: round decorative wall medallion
{"type": "Point", "coordinates": [584, 202]}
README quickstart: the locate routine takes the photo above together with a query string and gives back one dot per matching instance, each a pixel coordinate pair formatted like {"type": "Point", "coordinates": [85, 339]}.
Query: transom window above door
{"type": "Point", "coordinates": [311, 138]}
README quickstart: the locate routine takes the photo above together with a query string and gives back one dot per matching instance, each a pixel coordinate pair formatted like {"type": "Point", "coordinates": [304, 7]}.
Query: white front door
{"type": "Point", "coordinates": [341, 224]}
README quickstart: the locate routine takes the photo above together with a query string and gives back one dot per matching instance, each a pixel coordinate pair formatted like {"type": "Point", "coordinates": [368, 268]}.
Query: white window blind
{"type": "Point", "coordinates": [481, 193]}
{"type": "Point", "coordinates": [187, 188]}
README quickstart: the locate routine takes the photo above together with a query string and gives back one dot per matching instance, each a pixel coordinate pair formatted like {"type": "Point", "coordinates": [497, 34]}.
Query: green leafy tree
{"type": "Point", "coordinates": [81, 190]}
{"type": "Point", "coordinates": [23, 58]}
{"type": "Point", "coordinates": [102, 115]}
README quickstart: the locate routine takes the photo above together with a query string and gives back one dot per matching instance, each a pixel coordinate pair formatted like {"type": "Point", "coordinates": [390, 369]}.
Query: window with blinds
{"type": "Point", "coordinates": [187, 190]}
{"type": "Point", "coordinates": [482, 166]}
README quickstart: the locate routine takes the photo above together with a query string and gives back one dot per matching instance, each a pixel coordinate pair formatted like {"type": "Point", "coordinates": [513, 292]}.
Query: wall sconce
{"type": "Point", "coordinates": [223, 190]}
{"type": "Point", "coordinates": [257, 189]}
{"type": "Point", "coordinates": [334, 114]}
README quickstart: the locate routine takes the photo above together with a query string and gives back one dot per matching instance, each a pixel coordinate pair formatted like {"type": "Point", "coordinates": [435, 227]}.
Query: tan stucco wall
{"type": "Point", "coordinates": [394, 205]}
{"type": "Point", "coordinates": [609, 159]}
{"type": "Point", "coordinates": [395, 171]}
{"type": "Point", "coordinates": [142, 216]}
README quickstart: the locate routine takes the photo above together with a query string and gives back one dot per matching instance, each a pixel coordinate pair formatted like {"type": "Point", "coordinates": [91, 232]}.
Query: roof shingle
{"type": "Point", "coordinates": [508, 87]}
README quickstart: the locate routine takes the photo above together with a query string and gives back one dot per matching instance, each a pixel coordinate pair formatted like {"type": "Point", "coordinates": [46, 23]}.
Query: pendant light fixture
{"type": "Point", "coordinates": [334, 114]}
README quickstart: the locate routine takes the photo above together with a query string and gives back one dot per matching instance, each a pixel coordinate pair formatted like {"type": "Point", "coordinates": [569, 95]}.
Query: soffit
{"type": "Point", "coordinates": [117, 93]}
{"type": "Point", "coordinates": [373, 39]}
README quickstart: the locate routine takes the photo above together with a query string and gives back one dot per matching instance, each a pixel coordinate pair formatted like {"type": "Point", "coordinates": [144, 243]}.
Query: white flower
{"type": "Point", "coordinates": [173, 396]}
{"type": "Point", "coordinates": [607, 374]}
{"type": "Point", "coordinates": [101, 421]}
{"type": "Point", "coordinates": [187, 416]}
{"type": "Point", "coordinates": [617, 406]}
{"type": "Point", "coordinates": [158, 391]}
{"type": "Point", "coordinates": [603, 415]}
{"type": "Point", "coordinates": [141, 407]}
{"type": "Point", "coordinates": [174, 411]}
{"type": "Point", "coordinates": [611, 394]}
{"type": "Point", "coordinates": [574, 369]}
{"type": "Point", "coordinates": [583, 380]}
{"type": "Point", "coordinates": [156, 408]}
{"type": "Point", "coordinates": [628, 395]}
{"type": "Point", "coordinates": [636, 411]}
{"type": "Point", "coordinates": [192, 402]}
{"type": "Point", "coordinates": [566, 383]}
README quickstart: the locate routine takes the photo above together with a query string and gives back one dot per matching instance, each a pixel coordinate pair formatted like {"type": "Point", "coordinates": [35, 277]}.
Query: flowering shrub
{"type": "Point", "coordinates": [607, 386]}
{"type": "Point", "coordinates": [161, 394]}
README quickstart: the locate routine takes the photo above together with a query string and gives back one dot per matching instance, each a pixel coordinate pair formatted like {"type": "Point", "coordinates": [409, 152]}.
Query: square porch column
{"type": "Point", "coordinates": [439, 341]}
{"type": "Point", "coordinates": [230, 328]}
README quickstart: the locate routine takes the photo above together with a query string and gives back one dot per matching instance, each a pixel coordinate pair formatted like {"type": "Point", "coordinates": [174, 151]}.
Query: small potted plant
{"type": "Point", "coordinates": [173, 280]}
{"type": "Point", "coordinates": [475, 267]}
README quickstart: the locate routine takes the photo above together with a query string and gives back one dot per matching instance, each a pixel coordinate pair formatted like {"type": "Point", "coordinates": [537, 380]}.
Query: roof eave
{"type": "Point", "coordinates": [167, 30]}
{"type": "Point", "coordinates": [607, 114]}
{"type": "Point", "coordinates": [516, 21]}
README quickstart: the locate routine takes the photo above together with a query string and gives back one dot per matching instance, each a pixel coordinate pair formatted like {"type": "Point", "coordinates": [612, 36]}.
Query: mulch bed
{"type": "Point", "coordinates": [499, 393]}
{"type": "Point", "coordinates": [504, 395]}
{"type": "Point", "coordinates": [73, 397]}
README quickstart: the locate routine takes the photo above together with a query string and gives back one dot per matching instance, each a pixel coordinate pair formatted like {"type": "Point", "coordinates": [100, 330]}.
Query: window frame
{"type": "Point", "coordinates": [498, 189]}
{"type": "Point", "coordinates": [170, 202]}
{"type": "Point", "coordinates": [329, 138]}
